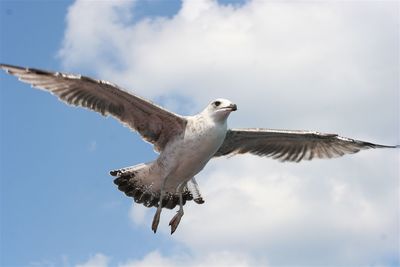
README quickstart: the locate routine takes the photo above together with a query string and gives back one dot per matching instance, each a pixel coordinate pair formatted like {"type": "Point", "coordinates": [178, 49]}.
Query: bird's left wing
{"type": "Point", "coordinates": [290, 145]}
{"type": "Point", "coordinates": [155, 124]}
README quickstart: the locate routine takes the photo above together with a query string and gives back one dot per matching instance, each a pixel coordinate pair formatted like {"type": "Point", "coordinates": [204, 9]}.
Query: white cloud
{"type": "Point", "coordinates": [156, 259]}
{"type": "Point", "coordinates": [151, 259]}
{"type": "Point", "coordinates": [295, 214]}
{"type": "Point", "coordinates": [263, 54]}
{"type": "Point", "coordinates": [139, 215]}
{"type": "Point", "coordinates": [98, 260]}
{"type": "Point", "coordinates": [328, 66]}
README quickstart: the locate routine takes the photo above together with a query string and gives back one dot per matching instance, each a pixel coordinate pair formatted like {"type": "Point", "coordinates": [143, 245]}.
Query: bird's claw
{"type": "Point", "coordinates": [175, 221]}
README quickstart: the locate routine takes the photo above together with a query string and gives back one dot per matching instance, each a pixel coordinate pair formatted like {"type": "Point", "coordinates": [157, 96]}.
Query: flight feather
{"type": "Point", "coordinates": [290, 145]}
{"type": "Point", "coordinates": [155, 124]}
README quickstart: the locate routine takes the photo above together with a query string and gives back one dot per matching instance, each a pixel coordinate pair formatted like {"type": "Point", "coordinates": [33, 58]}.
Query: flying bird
{"type": "Point", "coordinates": [185, 143]}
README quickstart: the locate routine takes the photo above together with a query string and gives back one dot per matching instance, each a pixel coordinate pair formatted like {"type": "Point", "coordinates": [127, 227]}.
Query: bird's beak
{"type": "Point", "coordinates": [233, 107]}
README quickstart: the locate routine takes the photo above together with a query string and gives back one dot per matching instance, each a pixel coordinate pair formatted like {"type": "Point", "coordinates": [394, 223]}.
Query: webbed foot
{"type": "Point", "coordinates": [175, 221]}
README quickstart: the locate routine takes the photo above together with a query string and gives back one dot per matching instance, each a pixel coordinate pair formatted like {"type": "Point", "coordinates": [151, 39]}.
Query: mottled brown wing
{"type": "Point", "coordinates": [155, 124]}
{"type": "Point", "coordinates": [290, 145]}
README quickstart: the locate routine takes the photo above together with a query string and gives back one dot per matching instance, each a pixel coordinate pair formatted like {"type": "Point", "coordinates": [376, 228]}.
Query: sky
{"type": "Point", "coordinates": [330, 66]}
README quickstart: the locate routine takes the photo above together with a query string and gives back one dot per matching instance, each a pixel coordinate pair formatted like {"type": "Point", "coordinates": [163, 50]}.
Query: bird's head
{"type": "Point", "coordinates": [220, 109]}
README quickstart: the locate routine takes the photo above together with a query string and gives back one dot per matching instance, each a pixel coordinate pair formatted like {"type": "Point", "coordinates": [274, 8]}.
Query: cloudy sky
{"type": "Point", "coordinates": [331, 66]}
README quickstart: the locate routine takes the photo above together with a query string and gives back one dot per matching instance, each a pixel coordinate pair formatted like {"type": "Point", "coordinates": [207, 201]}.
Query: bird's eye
{"type": "Point", "coordinates": [217, 103]}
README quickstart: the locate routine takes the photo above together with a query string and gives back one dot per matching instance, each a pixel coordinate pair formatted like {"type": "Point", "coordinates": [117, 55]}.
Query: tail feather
{"type": "Point", "coordinates": [130, 181]}
{"type": "Point", "coordinates": [128, 170]}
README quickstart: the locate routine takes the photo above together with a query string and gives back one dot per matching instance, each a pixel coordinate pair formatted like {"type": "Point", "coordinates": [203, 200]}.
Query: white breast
{"type": "Point", "coordinates": [188, 155]}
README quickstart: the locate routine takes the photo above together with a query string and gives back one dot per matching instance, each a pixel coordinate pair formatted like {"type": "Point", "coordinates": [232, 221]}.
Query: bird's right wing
{"type": "Point", "coordinates": [290, 145]}
{"type": "Point", "coordinates": [155, 124]}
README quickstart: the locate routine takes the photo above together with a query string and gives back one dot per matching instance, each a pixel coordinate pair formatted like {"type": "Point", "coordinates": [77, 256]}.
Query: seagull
{"type": "Point", "coordinates": [185, 143]}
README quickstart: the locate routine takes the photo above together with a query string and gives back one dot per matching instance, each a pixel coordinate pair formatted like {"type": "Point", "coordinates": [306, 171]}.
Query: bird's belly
{"type": "Point", "coordinates": [188, 157]}
{"type": "Point", "coordinates": [192, 162]}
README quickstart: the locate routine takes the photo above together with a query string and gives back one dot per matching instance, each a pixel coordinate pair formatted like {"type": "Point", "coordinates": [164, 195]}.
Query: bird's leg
{"type": "Point", "coordinates": [156, 219]}
{"type": "Point", "coordinates": [177, 218]}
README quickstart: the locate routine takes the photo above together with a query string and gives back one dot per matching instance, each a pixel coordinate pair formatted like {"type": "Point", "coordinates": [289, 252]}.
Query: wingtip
{"type": "Point", "coordinates": [5, 67]}
{"type": "Point", "coordinates": [384, 146]}
{"type": "Point", "coordinates": [373, 145]}
{"type": "Point", "coordinates": [9, 66]}
{"type": "Point", "coordinates": [12, 69]}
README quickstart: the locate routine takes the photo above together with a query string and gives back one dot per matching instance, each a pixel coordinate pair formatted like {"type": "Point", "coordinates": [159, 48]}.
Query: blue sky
{"type": "Point", "coordinates": [301, 66]}
{"type": "Point", "coordinates": [44, 225]}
